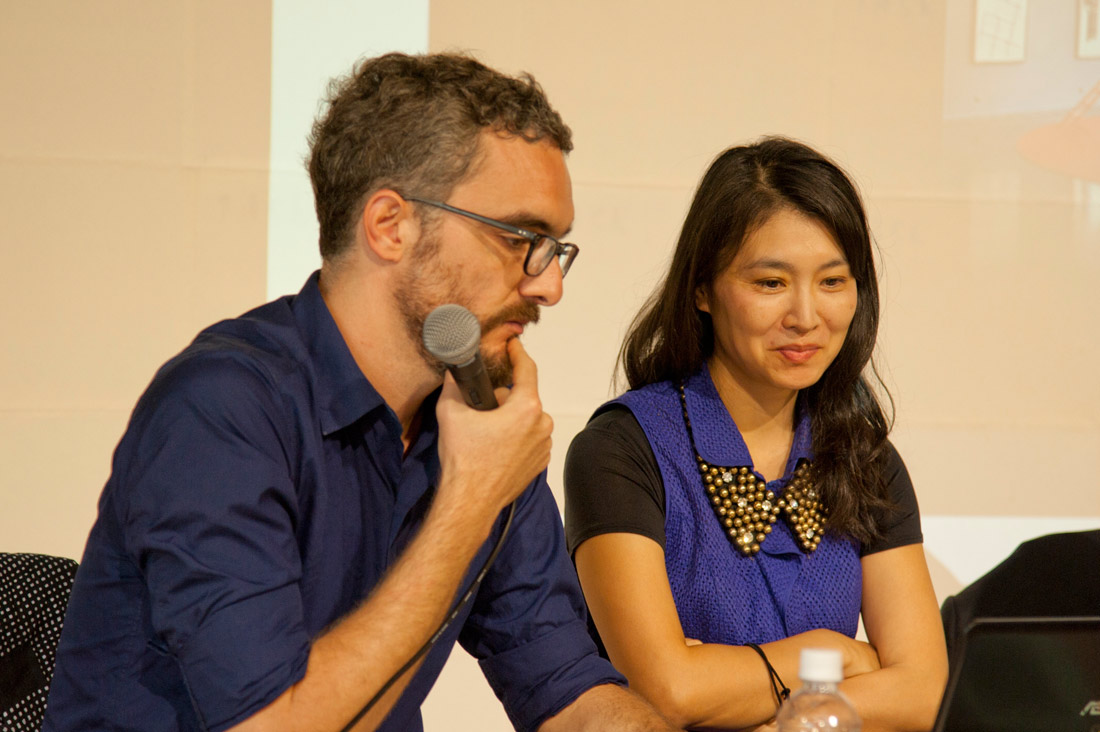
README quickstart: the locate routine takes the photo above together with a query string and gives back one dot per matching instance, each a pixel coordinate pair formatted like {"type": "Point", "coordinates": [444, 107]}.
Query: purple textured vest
{"type": "Point", "coordinates": [721, 595]}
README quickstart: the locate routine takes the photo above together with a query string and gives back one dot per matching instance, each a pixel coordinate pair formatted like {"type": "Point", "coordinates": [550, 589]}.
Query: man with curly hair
{"type": "Point", "coordinates": [302, 494]}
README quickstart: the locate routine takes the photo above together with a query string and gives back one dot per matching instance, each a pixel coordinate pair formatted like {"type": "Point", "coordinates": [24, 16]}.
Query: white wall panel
{"type": "Point", "coordinates": [311, 43]}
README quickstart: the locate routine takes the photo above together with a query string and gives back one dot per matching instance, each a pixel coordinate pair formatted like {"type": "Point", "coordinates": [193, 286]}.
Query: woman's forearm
{"type": "Point", "coordinates": [896, 698]}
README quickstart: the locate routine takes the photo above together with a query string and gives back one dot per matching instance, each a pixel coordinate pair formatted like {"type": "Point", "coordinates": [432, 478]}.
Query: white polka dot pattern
{"type": "Point", "coordinates": [34, 590]}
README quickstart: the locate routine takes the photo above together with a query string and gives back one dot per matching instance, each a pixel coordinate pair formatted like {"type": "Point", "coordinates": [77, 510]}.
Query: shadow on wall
{"type": "Point", "coordinates": [943, 580]}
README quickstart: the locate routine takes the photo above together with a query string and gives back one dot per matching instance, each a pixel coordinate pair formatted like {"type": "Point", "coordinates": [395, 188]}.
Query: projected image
{"type": "Point", "coordinates": [1088, 28]}
{"type": "Point", "coordinates": [1000, 31]}
{"type": "Point", "coordinates": [1043, 106]}
{"type": "Point", "coordinates": [1071, 145]}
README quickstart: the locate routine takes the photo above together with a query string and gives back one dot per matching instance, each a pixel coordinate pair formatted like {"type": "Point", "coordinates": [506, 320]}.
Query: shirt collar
{"type": "Point", "coordinates": [717, 437]}
{"type": "Point", "coordinates": [344, 395]}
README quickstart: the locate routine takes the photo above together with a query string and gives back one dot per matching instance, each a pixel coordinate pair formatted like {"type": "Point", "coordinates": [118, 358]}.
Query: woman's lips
{"type": "Point", "coordinates": [798, 354]}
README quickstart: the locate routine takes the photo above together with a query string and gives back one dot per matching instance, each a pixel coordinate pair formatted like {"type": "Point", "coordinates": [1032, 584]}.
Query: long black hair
{"type": "Point", "coordinates": [670, 338]}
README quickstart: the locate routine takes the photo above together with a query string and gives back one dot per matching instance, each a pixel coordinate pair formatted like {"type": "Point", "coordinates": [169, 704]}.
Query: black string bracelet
{"type": "Point", "coordinates": [780, 689]}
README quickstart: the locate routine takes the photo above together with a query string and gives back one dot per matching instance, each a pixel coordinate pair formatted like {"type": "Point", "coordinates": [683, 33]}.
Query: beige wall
{"type": "Point", "coordinates": [133, 202]}
{"type": "Point", "coordinates": [987, 260]}
{"type": "Point", "coordinates": [133, 187]}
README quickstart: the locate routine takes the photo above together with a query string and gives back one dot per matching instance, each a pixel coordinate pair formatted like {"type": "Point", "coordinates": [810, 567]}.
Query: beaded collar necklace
{"type": "Point", "coordinates": [745, 507]}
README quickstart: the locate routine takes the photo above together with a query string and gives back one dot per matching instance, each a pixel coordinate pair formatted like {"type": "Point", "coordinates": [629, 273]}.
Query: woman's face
{"type": "Point", "coordinates": [782, 308]}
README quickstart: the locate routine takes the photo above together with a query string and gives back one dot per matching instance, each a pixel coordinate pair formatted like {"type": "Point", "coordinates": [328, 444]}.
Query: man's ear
{"type": "Point", "coordinates": [702, 299]}
{"type": "Point", "coordinates": [389, 225]}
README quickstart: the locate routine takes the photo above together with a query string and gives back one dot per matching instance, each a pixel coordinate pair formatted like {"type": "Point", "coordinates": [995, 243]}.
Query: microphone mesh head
{"type": "Point", "coordinates": [452, 334]}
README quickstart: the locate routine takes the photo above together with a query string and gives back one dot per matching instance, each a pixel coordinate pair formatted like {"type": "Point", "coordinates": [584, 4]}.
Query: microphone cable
{"type": "Point", "coordinates": [452, 334]}
{"type": "Point", "coordinates": [466, 597]}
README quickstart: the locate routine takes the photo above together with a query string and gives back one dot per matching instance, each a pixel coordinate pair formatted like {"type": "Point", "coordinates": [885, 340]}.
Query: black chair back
{"type": "Point", "coordinates": [34, 591]}
{"type": "Point", "coordinates": [1057, 575]}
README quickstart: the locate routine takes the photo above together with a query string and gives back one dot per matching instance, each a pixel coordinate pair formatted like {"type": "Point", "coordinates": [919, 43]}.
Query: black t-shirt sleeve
{"type": "Point", "coordinates": [612, 481]}
{"type": "Point", "coordinates": [900, 524]}
{"type": "Point", "coordinates": [613, 484]}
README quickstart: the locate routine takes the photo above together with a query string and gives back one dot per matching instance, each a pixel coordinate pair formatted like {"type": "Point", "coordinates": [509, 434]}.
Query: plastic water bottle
{"type": "Point", "coordinates": [818, 705]}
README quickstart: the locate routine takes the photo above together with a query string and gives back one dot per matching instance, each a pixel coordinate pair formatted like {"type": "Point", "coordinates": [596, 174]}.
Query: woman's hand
{"type": "Point", "coordinates": [858, 657]}
{"type": "Point", "coordinates": [695, 685]}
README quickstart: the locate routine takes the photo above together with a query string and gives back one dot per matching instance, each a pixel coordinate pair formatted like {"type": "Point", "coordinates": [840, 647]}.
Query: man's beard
{"type": "Point", "coordinates": [425, 287]}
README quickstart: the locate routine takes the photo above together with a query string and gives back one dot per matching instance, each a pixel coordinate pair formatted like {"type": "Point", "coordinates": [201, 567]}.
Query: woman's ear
{"type": "Point", "coordinates": [702, 298]}
{"type": "Point", "coordinates": [389, 225]}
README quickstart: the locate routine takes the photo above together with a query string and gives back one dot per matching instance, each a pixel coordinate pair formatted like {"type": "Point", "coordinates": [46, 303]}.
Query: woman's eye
{"type": "Point", "coordinates": [834, 282]}
{"type": "Point", "coordinates": [770, 284]}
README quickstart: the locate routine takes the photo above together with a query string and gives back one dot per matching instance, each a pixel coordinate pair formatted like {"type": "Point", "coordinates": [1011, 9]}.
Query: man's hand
{"type": "Point", "coordinates": [488, 457]}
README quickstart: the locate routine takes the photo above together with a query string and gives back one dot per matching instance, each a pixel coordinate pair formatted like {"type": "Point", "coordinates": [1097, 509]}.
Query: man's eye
{"type": "Point", "coordinates": [516, 242]}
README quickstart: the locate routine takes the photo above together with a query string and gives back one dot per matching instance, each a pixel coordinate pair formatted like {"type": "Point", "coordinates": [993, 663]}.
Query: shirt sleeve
{"type": "Point", "coordinates": [612, 481]}
{"type": "Point", "coordinates": [209, 508]}
{"type": "Point", "coordinates": [901, 523]}
{"type": "Point", "coordinates": [528, 626]}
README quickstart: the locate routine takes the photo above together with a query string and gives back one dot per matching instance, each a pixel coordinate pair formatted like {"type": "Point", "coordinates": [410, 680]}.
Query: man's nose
{"type": "Point", "coordinates": [544, 288]}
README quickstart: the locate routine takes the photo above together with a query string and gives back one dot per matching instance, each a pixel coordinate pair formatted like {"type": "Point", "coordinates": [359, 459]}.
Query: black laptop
{"type": "Point", "coordinates": [1025, 675]}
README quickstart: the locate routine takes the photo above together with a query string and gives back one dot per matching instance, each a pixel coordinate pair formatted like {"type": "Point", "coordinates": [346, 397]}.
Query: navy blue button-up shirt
{"type": "Point", "coordinates": [259, 493]}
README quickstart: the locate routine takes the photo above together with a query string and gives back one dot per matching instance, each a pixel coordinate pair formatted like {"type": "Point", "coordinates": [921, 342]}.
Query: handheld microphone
{"type": "Point", "coordinates": [453, 335]}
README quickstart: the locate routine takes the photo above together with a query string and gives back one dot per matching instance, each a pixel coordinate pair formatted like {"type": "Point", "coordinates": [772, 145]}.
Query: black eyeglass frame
{"type": "Point", "coordinates": [564, 252]}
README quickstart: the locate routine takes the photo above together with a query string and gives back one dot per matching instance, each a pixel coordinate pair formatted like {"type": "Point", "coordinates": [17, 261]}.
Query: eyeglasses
{"type": "Point", "coordinates": [542, 249]}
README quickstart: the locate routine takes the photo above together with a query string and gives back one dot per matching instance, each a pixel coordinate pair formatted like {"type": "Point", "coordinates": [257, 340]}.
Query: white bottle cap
{"type": "Point", "coordinates": [821, 665]}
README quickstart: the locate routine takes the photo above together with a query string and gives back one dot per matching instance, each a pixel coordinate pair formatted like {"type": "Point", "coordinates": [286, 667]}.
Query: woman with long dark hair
{"type": "Point", "coordinates": [741, 501]}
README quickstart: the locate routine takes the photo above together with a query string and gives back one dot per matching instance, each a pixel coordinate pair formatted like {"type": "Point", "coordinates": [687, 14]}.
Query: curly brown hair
{"type": "Point", "coordinates": [412, 123]}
